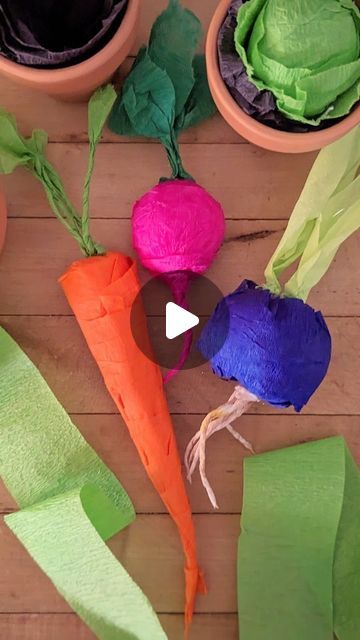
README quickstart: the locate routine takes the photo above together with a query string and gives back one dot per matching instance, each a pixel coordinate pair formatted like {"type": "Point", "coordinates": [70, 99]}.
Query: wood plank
{"type": "Point", "coordinates": [38, 251]}
{"type": "Point", "coordinates": [52, 626]}
{"type": "Point", "coordinates": [67, 122]}
{"type": "Point", "coordinates": [248, 181]}
{"type": "Point", "coordinates": [149, 547]}
{"type": "Point", "coordinates": [56, 346]}
{"type": "Point", "coordinates": [109, 437]}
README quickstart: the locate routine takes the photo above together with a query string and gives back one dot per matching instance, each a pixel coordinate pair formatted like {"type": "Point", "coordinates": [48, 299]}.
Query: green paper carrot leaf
{"type": "Point", "coordinates": [16, 150]}
{"type": "Point", "coordinates": [99, 107]}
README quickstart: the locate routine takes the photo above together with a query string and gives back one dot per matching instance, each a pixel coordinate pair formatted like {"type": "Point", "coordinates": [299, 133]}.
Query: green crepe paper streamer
{"type": "Point", "coordinates": [71, 503]}
{"type": "Point", "coordinates": [15, 150]}
{"type": "Point", "coordinates": [166, 90]}
{"type": "Point", "coordinates": [299, 550]}
{"type": "Point", "coordinates": [317, 80]}
{"type": "Point", "coordinates": [326, 214]}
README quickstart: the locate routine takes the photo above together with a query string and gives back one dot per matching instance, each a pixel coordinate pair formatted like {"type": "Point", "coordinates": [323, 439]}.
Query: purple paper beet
{"type": "Point", "coordinates": [278, 348]}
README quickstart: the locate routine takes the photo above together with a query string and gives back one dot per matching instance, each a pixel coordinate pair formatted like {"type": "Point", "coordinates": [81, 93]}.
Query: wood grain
{"type": "Point", "coordinates": [249, 182]}
{"type": "Point", "coordinates": [37, 252]}
{"type": "Point", "coordinates": [35, 626]}
{"type": "Point", "coordinates": [258, 190]}
{"type": "Point", "coordinates": [150, 550]}
{"type": "Point", "coordinates": [57, 347]}
{"type": "Point", "coordinates": [66, 122]}
{"type": "Point", "coordinates": [109, 437]}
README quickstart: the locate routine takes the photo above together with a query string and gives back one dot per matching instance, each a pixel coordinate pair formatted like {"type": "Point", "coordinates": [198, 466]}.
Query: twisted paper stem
{"type": "Point", "coordinates": [220, 418]}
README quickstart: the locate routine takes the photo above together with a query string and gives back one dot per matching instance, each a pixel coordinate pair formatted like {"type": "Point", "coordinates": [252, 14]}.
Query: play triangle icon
{"type": "Point", "coordinates": [178, 320]}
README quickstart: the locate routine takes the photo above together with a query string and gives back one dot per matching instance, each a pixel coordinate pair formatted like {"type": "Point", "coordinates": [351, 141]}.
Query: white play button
{"type": "Point", "coordinates": [178, 320]}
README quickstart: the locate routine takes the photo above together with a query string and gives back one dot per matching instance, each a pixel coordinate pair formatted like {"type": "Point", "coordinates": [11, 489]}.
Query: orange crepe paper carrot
{"type": "Point", "coordinates": [102, 290]}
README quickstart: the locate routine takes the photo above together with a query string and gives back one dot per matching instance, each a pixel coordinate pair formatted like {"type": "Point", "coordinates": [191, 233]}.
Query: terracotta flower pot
{"type": "Point", "coordinates": [78, 81]}
{"type": "Point", "coordinates": [248, 127]}
{"type": "Point", "coordinates": [3, 219]}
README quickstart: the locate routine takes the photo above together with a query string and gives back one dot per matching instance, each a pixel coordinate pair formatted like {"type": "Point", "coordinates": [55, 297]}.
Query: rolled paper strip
{"type": "Point", "coordinates": [299, 548]}
{"type": "Point", "coordinates": [71, 504]}
{"type": "Point", "coordinates": [103, 293]}
{"type": "Point", "coordinates": [306, 53]}
{"type": "Point", "coordinates": [269, 362]}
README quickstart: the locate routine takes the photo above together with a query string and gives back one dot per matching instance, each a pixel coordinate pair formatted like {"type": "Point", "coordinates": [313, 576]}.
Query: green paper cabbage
{"type": "Point", "coordinates": [307, 52]}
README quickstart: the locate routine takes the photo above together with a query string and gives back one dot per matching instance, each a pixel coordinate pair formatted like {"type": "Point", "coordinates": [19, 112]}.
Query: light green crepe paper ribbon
{"type": "Point", "coordinates": [299, 550]}
{"type": "Point", "coordinates": [71, 503]}
{"type": "Point", "coordinates": [16, 150]}
{"type": "Point", "coordinates": [326, 214]}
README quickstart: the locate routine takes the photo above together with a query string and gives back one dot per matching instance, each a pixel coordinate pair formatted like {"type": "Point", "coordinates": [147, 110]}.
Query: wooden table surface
{"type": "Point", "coordinates": [257, 190]}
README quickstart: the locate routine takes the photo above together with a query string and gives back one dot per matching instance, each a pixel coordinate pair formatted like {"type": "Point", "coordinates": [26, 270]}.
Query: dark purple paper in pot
{"type": "Point", "coordinates": [260, 105]}
{"type": "Point", "coordinates": [57, 33]}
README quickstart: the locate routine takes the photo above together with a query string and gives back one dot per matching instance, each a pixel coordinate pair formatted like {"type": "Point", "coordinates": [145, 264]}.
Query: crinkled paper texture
{"type": "Point", "coordinates": [166, 90]}
{"type": "Point", "coordinates": [71, 503]}
{"type": "Point", "coordinates": [260, 351]}
{"type": "Point", "coordinates": [258, 103]}
{"type": "Point", "coordinates": [326, 214]}
{"type": "Point", "coordinates": [299, 550]}
{"type": "Point", "coordinates": [103, 293]}
{"type": "Point", "coordinates": [306, 53]}
{"type": "Point", "coordinates": [52, 33]}
{"type": "Point", "coordinates": [177, 226]}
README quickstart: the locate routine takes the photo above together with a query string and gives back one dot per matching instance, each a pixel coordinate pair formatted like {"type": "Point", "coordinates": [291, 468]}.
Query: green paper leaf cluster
{"type": "Point", "coordinates": [307, 52]}
{"type": "Point", "coordinates": [299, 550]}
{"type": "Point", "coordinates": [71, 504]}
{"type": "Point", "coordinates": [166, 90]}
{"type": "Point", "coordinates": [18, 151]}
{"type": "Point", "coordinates": [326, 214]}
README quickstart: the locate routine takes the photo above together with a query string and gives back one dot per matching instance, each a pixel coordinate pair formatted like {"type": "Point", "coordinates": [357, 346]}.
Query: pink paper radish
{"type": "Point", "coordinates": [177, 227]}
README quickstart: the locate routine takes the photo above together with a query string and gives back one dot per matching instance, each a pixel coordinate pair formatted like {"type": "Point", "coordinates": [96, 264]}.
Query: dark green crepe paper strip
{"type": "Point", "coordinates": [174, 38]}
{"type": "Point", "coordinates": [299, 550]}
{"type": "Point", "coordinates": [71, 504]}
{"type": "Point", "coordinates": [166, 90]}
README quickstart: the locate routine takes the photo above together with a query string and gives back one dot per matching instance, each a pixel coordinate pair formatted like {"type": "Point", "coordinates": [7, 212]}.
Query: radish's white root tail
{"type": "Point", "coordinates": [220, 418]}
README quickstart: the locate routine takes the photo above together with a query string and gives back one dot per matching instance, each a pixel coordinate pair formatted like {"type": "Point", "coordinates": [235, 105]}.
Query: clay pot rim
{"type": "Point", "coordinates": [246, 126]}
{"type": "Point", "coordinates": [71, 72]}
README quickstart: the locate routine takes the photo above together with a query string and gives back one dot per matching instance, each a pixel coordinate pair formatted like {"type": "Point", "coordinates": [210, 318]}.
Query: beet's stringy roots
{"type": "Point", "coordinates": [220, 418]}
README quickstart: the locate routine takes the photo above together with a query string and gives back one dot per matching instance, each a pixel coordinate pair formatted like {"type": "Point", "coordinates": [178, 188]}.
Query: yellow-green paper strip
{"type": "Point", "coordinates": [70, 503]}
{"type": "Point", "coordinates": [299, 550]}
